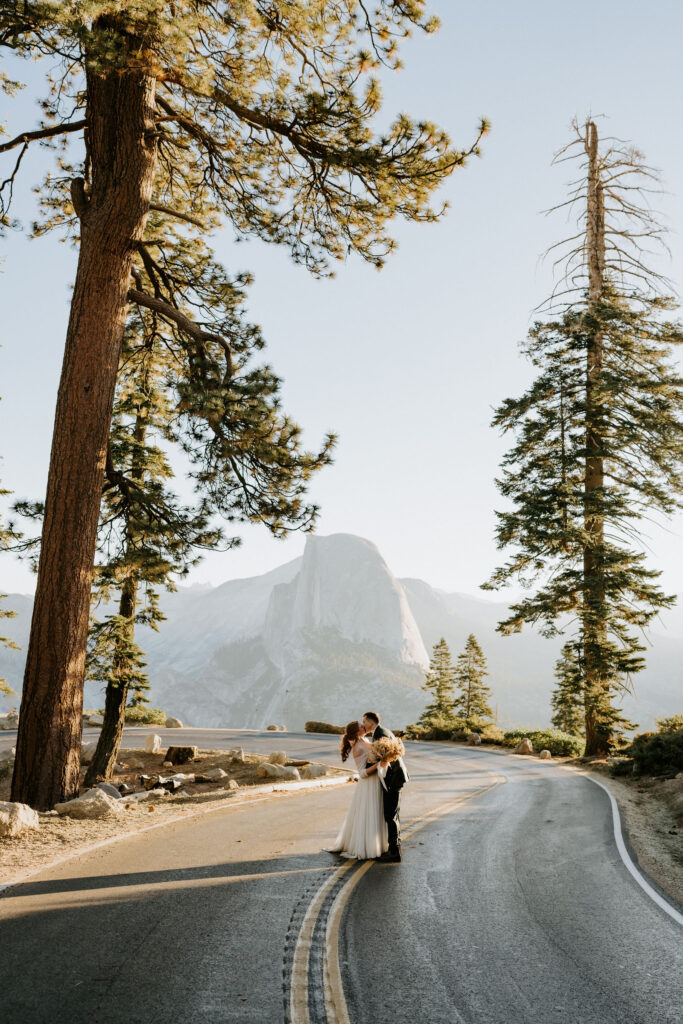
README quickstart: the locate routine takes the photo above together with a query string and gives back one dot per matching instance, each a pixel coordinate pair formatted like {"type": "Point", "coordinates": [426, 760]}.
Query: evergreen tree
{"type": "Point", "coordinates": [567, 698]}
{"type": "Point", "coordinates": [251, 113]}
{"type": "Point", "coordinates": [599, 442]}
{"type": "Point", "coordinates": [470, 671]}
{"type": "Point", "coordinates": [249, 464]}
{"type": "Point", "coordinates": [439, 681]}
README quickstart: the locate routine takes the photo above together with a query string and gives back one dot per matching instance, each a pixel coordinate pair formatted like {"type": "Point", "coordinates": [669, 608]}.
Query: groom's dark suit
{"type": "Point", "coordinates": [396, 776]}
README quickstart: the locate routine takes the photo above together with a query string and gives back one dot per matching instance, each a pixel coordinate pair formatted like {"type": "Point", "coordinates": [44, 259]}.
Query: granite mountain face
{"type": "Point", "coordinates": [331, 634]}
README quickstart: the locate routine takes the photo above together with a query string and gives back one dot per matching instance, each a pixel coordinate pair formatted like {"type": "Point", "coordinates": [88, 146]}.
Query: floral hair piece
{"type": "Point", "coordinates": [388, 748]}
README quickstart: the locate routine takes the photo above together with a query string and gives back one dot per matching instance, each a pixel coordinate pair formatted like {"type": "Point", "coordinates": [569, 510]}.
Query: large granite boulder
{"type": "Point", "coordinates": [313, 771]}
{"type": "Point", "coordinates": [524, 746]}
{"type": "Point", "coordinates": [545, 755]}
{"type": "Point", "coordinates": [474, 739]}
{"type": "Point", "coordinates": [15, 818]}
{"type": "Point", "coordinates": [173, 723]}
{"type": "Point", "coordinates": [92, 805]}
{"type": "Point", "coordinates": [266, 770]}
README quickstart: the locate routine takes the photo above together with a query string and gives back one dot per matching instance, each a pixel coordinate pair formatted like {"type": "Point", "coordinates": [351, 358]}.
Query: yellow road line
{"type": "Point", "coordinates": [335, 1001]}
{"type": "Point", "coordinates": [298, 999]}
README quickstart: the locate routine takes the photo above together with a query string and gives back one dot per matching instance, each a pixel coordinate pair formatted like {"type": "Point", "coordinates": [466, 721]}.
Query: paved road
{"type": "Point", "coordinates": [511, 904]}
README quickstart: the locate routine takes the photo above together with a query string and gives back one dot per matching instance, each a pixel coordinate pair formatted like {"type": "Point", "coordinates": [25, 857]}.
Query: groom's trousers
{"type": "Point", "coordinates": [392, 800]}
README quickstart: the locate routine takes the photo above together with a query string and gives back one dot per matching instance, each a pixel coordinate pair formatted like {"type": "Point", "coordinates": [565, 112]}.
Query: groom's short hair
{"type": "Point", "coordinates": [373, 715]}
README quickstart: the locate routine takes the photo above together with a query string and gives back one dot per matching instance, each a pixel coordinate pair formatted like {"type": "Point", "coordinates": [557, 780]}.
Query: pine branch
{"type": "Point", "coordinates": [43, 133]}
{"type": "Point", "coordinates": [186, 325]}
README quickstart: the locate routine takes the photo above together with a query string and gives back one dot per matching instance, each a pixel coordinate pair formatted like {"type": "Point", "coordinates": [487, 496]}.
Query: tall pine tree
{"type": "Point", "coordinates": [260, 114]}
{"type": "Point", "coordinates": [439, 681]}
{"type": "Point", "coordinates": [599, 440]}
{"type": "Point", "coordinates": [245, 455]}
{"type": "Point", "coordinates": [472, 702]}
{"type": "Point", "coordinates": [567, 698]}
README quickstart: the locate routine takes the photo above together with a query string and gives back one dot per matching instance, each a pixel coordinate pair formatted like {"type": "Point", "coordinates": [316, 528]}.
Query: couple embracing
{"type": "Point", "coordinates": [371, 828]}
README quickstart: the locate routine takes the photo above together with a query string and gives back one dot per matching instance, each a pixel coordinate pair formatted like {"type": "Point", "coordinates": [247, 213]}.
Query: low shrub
{"type": "Point", "coordinates": [145, 716]}
{"type": "Point", "coordinates": [560, 744]}
{"type": "Point", "coordinates": [324, 727]}
{"type": "Point", "coordinates": [657, 753]}
{"type": "Point", "coordinates": [492, 734]}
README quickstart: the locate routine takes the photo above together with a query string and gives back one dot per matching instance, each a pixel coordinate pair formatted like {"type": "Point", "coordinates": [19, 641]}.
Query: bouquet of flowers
{"type": "Point", "coordinates": [388, 748]}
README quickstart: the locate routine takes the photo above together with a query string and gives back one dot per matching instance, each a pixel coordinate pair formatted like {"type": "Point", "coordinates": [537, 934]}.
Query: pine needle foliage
{"type": "Point", "coordinates": [598, 447]}
{"type": "Point", "coordinates": [472, 700]}
{"type": "Point", "coordinates": [265, 112]}
{"type": "Point", "coordinates": [567, 697]}
{"type": "Point", "coordinates": [440, 682]}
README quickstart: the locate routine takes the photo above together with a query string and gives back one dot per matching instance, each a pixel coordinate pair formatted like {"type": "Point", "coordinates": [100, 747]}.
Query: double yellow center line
{"type": "Point", "coordinates": [330, 901]}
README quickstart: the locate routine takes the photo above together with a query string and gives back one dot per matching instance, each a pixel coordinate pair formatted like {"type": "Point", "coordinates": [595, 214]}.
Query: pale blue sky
{"type": "Point", "coordinates": [407, 364]}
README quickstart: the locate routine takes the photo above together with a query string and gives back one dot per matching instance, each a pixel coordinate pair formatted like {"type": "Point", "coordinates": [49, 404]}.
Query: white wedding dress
{"type": "Point", "coordinates": [364, 832]}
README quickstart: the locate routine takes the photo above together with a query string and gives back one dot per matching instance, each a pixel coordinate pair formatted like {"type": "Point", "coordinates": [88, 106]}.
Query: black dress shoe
{"type": "Point", "coordinates": [390, 858]}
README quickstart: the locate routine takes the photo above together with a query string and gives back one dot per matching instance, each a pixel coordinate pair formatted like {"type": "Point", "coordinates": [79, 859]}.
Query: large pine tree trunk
{"type": "Point", "coordinates": [109, 742]}
{"type": "Point", "coordinates": [121, 139]}
{"type": "Point", "coordinates": [593, 606]}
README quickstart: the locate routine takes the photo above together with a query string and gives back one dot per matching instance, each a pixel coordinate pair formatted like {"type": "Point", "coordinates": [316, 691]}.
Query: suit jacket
{"type": "Point", "coordinates": [397, 773]}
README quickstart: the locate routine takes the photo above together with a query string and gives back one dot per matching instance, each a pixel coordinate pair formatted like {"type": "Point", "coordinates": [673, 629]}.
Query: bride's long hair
{"type": "Point", "coordinates": [351, 733]}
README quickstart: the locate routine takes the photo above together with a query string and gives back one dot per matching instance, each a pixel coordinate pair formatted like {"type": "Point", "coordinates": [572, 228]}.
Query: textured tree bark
{"type": "Point", "coordinates": [597, 741]}
{"type": "Point", "coordinates": [121, 138]}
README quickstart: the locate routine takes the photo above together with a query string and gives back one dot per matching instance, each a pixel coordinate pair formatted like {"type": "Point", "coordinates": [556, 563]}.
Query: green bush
{"type": "Point", "coordinates": [324, 727]}
{"type": "Point", "coordinates": [492, 734]}
{"type": "Point", "coordinates": [657, 753]}
{"type": "Point", "coordinates": [145, 716]}
{"type": "Point", "coordinates": [560, 744]}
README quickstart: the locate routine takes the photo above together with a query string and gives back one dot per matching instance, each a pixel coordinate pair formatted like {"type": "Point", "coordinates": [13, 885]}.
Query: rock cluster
{"type": "Point", "coordinates": [278, 771]}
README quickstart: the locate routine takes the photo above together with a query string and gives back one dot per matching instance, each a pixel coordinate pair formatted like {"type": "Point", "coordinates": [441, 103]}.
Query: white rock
{"type": "Point", "coordinates": [167, 764]}
{"type": "Point", "coordinates": [96, 720]}
{"type": "Point", "coordinates": [270, 771]}
{"type": "Point", "coordinates": [88, 751]}
{"type": "Point", "coordinates": [215, 774]}
{"type": "Point", "coordinates": [173, 723]}
{"type": "Point", "coordinates": [313, 771]}
{"type": "Point", "coordinates": [282, 728]}
{"type": "Point", "coordinates": [291, 774]}
{"type": "Point", "coordinates": [15, 818]}
{"type": "Point", "coordinates": [474, 739]}
{"type": "Point", "coordinates": [93, 804]}
{"type": "Point", "coordinates": [153, 744]}
{"type": "Point", "coordinates": [149, 794]}
{"type": "Point", "coordinates": [233, 784]}
{"type": "Point", "coordinates": [277, 757]}
{"type": "Point", "coordinates": [237, 755]}
{"type": "Point", "coordinates": [525, 746]}
{"type": "Point", "coordinates": [545, 755]}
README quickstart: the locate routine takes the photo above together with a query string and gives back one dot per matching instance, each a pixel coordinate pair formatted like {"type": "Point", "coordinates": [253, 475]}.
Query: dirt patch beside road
{"type": "Point", "coordinates": [652, 811]}
{"type": "Point", "coordinates": [60, 837]}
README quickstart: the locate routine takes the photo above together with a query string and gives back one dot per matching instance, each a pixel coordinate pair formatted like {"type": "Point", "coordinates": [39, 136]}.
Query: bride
{"type": "Point", "coordinates": [364, 832]}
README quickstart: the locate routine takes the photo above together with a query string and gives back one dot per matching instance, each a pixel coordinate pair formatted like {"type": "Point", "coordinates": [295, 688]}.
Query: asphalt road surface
{"type": "Point", "coordinates": [512, 904]}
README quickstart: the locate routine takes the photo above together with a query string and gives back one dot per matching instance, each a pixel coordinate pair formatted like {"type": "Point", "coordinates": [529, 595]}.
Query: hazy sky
{"type": "Point", "coordinates": [407, 364]}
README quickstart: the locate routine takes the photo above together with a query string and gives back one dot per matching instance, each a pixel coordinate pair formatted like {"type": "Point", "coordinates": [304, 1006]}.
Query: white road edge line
{"type": "Point", "coordinates": [626, 857]}
{"type": "Point", "coordinates": [187, 816]}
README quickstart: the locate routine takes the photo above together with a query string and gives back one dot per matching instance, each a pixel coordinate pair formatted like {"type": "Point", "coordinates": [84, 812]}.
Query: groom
{"type": "Point", "coordinates": [393, 778]}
